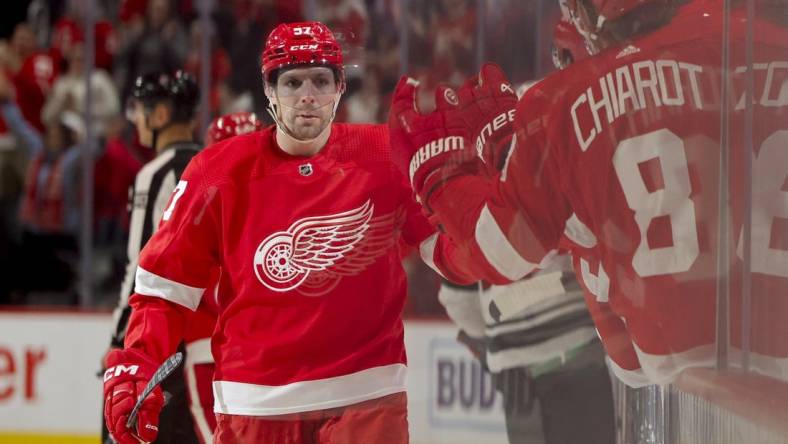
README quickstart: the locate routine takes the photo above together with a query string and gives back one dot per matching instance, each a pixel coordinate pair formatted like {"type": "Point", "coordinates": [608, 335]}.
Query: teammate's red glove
{"type": "Point", "coordinates": [422, 145]}
{"type": "Point", "coordinates": [486, 108]}
{"type": "Point", "coordinates": [433, 148]}
{"type": "Point", "coordinates": [128, 371]}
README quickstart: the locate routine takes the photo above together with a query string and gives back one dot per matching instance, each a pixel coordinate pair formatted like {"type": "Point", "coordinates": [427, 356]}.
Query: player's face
{"type": "Point", "coordinates": [306, 99]}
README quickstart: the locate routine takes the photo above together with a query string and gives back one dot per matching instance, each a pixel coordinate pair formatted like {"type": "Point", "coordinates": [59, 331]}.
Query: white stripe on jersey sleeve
{"type": "Point", "coordinates": [150, 284]}
{"type": "Point", "coordinates": [427, 252]}
{"type": "Point", "coordinates": [497, 250]}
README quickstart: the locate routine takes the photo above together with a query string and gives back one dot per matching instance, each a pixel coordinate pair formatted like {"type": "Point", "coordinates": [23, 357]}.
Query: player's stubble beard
{"type": "Point", "coordinates": [294, 136]}
{"type": "Point", "coordinates": [298, 137]}
{"type": "Point", "coordinates": [307, 128]}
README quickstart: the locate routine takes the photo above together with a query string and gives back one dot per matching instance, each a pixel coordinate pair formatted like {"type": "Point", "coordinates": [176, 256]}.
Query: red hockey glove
{"type": "Point", "coordinates": [424, 146]}
{"type": "Point", "coordinates": [127, 374]}
{"type": "Point", "coordinates": [486, 107]}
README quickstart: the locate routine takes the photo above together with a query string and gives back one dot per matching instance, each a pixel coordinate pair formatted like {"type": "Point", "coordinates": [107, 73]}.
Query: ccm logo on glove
{"type": "Point", "coordinates": [119, 370]}
{"type": "Point", "coordinates": [497, 123]}
{"type": "Point", "coordinates": [434, 148]}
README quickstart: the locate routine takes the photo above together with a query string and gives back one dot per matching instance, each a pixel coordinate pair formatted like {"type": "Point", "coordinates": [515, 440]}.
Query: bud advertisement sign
{"type": "Point", "coordinates": [451, 398]}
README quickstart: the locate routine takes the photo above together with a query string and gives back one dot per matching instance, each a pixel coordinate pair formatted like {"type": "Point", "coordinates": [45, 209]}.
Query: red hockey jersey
{"type": "Point", "coordinates": [617, 158]}
{"type": "Point", "coordinates": [311, 288]}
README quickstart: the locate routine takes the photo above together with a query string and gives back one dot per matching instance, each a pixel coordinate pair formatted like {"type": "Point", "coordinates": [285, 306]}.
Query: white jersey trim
{"type": "Point", "coordinates": [632, 378]}
{"type": "Point", "coordinates": [427, 252]}
{"type": "Point", "coordinates": [663, 369]}
{"type": "Point", "coordinates": [199, 352]}
{"type": "Point", "coordinates": [150, 284]}
{"type": "Point", "coordinates": [237, 398]}
{"type": "Point", "coordinates": [497, 250]}
{"type": "Point", "coordinates": [579, 233]}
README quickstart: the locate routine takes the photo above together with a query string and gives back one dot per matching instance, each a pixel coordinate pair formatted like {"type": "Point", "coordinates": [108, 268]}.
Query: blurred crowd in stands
{"type": "Point", "coordinates": [43, 102]}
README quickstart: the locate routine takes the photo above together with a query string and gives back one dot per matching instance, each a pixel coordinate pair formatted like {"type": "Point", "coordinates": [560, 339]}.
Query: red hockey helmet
{"type": "Point", "coordinates": [569, 46]}
{"type": "Point", "coordinates": [589, 16]}
{"type": "Point", "coordinates": [303, 43]}
{"type": "Point", "coordinates": [613, 9]}
{"type": "Point", "coordinates": [230, 125]}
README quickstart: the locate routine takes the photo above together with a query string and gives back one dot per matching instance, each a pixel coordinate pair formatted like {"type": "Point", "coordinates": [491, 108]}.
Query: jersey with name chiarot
{"type": "Point", "coordinates": [312, 287]}
{"type": "Point", "coordinates": [644, 154]}
{"type": "Point", "coordinates": [623, 168]}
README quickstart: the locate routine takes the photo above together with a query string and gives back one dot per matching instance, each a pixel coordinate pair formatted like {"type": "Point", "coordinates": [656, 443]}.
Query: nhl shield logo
{"type": "Point", "coordinates": [305, 169]}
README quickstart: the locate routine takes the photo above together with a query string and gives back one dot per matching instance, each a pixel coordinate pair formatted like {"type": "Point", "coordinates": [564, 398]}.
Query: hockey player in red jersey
{"type": "Point", "coordinates": [617, 159]}
{"type": "Point", "coordinates": [304, 219]}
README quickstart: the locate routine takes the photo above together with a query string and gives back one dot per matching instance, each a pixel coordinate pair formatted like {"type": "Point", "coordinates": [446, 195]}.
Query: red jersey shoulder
{"type": "Point", "coordinates": [544, 102]}
{"type": "Point", "coordinates": [361, 142]}
{"type": "Point", "coordinates": [237, 156]}
{"type": "Point", "coordinates": [545, 91]}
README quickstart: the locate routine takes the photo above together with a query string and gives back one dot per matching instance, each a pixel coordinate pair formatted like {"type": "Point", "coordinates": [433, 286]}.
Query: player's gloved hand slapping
{"type": "Point", "coordinates": [488, 104]}
{"type": "Point", "coordinates": [470, 126]}
{"type": "Point", "coordinates": [128, 371]}
{"type": "Point", "coordinates": [426, 146]}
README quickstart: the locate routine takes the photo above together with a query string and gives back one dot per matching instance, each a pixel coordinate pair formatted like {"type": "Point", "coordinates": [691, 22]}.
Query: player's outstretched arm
{"type": "Point", "coordinates": [175, 268]}
{"type": "Point", "coordinates": [501, 211]}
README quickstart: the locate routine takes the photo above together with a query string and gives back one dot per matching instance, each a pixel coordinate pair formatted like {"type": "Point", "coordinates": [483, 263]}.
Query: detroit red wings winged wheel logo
{"type": "Point", "coordinates": [316, 252]}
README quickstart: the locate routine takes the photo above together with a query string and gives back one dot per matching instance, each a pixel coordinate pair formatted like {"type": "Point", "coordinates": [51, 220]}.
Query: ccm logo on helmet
{"type": "Point", "coordinates": [497, 123]}
{"type": "Point", "coordinates": [119, 370]}
{"type": "Point", "coordinates": [303, 47]}
{"type": "Point", "coordinates": [433, 149]}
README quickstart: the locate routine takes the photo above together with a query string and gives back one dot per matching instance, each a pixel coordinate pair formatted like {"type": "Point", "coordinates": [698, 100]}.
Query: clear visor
{"type": "Point", "coordinates": [316, 82]}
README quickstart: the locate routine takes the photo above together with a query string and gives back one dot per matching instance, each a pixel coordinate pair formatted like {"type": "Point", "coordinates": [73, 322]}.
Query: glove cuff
{"type": "Point", "coordinates": [441, 178]}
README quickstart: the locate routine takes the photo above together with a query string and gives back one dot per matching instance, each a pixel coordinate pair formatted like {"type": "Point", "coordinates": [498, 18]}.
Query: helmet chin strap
{"type": "Point", "coordinates": [155, 132]}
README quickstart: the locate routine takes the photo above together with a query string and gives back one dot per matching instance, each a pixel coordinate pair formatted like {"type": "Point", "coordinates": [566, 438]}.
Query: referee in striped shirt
{"type": "Point", "coordinates": [162, 107]}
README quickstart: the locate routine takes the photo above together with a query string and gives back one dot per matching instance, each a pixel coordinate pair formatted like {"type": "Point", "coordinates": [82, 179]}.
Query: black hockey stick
{"type": "Point", "coordinates": [161, 374]}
